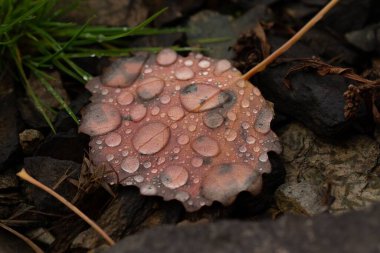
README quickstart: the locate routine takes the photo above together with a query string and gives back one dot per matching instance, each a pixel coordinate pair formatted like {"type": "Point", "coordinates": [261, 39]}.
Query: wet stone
{"type": "Point", "coordinates": [206, 146]}
{"type": "Point", "coordinates": [151, 138]}
{"type": "Point", "coordinates": [174, 176]}
{"type": "Point", "coordinates": [150, 88]}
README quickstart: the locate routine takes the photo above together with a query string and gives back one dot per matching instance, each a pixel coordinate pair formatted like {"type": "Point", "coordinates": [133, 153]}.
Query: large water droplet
{"type": "Point", "coordinates": [205, 146]}
{"type": "Point", "coordinates": [130, 164]}
{"type": "Point", "coordinates": [184, 73]}
{"type": "Point", "coordinates": [100, 119]}
{"type": "Point", "coordinates": [202, 97]}
{"type": "Point", "coordinates": [213, 120]}
{"type": "Point", "coordinates": [123, 72]}
{"type": "Point", "coordinates": [222, 66]}
{"type": "Point", "coordinates": [174, 176]}
{"type": "Point", "coordinates": [263, 119]}
{"type": "Point", "coordinates": [150, 88]}
{"type": "Point", "coordinates": [113, 139]}
{"type": "Point", "coordinates": [138, 112]}
{"type": "Point", "coordinates": [151, 138]}
{"type": "Point", "coordinates": [125, 98]}
{"type": "Point", "coordinates": [204, 64]}
{"type": "Point", "coordinates": [230, 135]}
{"type": "Point", "coordinates": [176, 113]}
{"type": "Point", "coordinates": [166, 57]}
{"type": "Point", "coordinates": [182, 196]}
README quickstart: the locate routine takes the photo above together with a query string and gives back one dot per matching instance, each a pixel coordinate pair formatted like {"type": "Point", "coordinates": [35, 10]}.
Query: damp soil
{"type": "Point", "coordinates": [325, 99]}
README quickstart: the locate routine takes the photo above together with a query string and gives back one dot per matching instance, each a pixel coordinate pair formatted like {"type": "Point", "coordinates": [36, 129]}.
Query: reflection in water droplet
{"type": "Point", "coordinates": [113, 139]}
{"type": "Point", "coordinates": [130, 164]}
{"type": "Point", "coordinates": [151, 138]}
{"type": "Point", "coordinates": [174, 176]}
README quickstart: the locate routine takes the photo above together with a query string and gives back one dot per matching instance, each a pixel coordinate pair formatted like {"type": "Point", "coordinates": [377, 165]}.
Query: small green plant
{"type": "Point", "coordinates": [34, 40]}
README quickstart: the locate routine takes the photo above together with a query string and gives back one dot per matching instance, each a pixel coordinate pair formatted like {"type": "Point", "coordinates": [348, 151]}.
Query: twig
{"type": "Point", "coordinates": [25, 176]}
{"type": "Point", "coordinates": [30, 243]}
{"type": "Point", "coordinates": [262, 65]}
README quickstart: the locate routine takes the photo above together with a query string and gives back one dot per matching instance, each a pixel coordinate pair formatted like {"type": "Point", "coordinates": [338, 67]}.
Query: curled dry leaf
{"type": "Point", "coordinates": [185, 128]}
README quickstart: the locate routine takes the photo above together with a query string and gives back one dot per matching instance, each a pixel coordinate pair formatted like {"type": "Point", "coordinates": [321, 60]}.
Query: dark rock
{"type": "Point", "coordinates": [325, 233]}
{"type": "Point", "coordinates": [367, 39]}
{"type": "Point", "coordinates": [29, 140]}
{"type": "Point", "coordinates": [125, 214]}
{"type": "Point", "coordinates": [65, 146]}
{"type": "Point", "coordinates": [11, 244]}
{"type": "Point", "coordinates": [348, 15]}
{"type": "Point", "coordinates": [9, 121]}
{"type": "Point", "coordinates": [55, 174]}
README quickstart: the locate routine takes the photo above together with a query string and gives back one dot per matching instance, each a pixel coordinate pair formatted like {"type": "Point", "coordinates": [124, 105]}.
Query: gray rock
{"type": "Point", "coordinates": [55, 174]}
{"type": "Point", "coordinates": [353, 232]}
{"type": "Point", "coordinates": [348, 168]}
{"type": "Point", "coordinates": [367, 39]}
{"type": "Point", "coordinates": [301, 198]}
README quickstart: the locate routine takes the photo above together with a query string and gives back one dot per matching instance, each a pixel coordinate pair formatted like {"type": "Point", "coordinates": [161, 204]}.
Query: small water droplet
{"type": "Point", "coordinates": [222, 66]}
{"type": "Point", "coordinates": [182, 196]}
{"type": "Point", "coordinates": [204, 64]}
{"type": "Point", "coordinates": [166, 57]}
{"type": "Point", "coordinates": [245, 125]}
{"type": "Point", "coordinates": [138, 112]}
{"type": "Point", "coordinates": [231, 116]}
{"type": "Point", "coordinates": [192, 128]}
{"type": "Point", "coordinates": [125, 98]}
{"type": "Point", "coordinates": [188, 63]}
{"type": "Point", "coordinates": [138, 178]}
{"type": "Point", "coordinates": [183, 139]}
{"type": "Point", "coordinates": [148, 190]}
{"type": "Point", "coordinates": [263, 157]}
{"type": "Point", "coordinates": [110, 157]}
{"type": "Point", "coordinates": [230, 135]}
{"type": "Point", "coordinates": [176, 113]}
{"type": "Point", "coordinates": [155, 110]}
{"type": "Point", "coordinates": [165, 99]}
{"type": "Point", "coordinates": [250, 140]}
{"type": "Point", "coordinates": [184, 73]}
{"type": "Point", "coordinates": [245, 103]}
{"type": "Point", "coordinates": [243, 149]}
{"type": "Point", "coordinates": [206, 146]}
{"type": "Point", "coordinates": [196, 162]}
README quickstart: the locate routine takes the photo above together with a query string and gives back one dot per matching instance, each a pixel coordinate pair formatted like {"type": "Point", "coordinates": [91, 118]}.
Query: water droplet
{"type": "Point", "coordinates": [165, 99]}
{"type": "Point", "coordinates": [161, 160]}
{"type": "Point", "coordinates": [124, 153]}
{"type": "Point", "coordinates": [192, 128]}
{"type": "Point", "coordinates": [196, 162]}
{"type": "Point", "coordinates": [150, 88]}
{"type": "Point", "coordinates": [148, 190]}
{"type": "Point", "coordinates": [245, 103]}
{"type": "Point", "coordinates": [166, 57]}
{"type": "Point", "coordinates": [230, 135]}
{"type": "Point", "coordinates": [202, 97]}
{"type": "Point", "coordinates": [183, 139]}
{"type": "Point", "coordinates": [263, 119]}
{"type": "Point", "coordinates": [125, 98]}
{"type": "Point", "coordinates": [250, 140]}
{"type": "Point", "coordinates": [241, 83]}
{"type": "Point", "coordinates": [204, 64]}
{"type": "Point", "coordinates": [155, 110]}
{"type": "Point", "coordinates": [110, 157]}
{"type": "Point", "coordinates": [188, 63]}
{"type": "Point", "coordinates": [213, 120]}
{"type": "Point", "coordinates": [130, 164]}
{"type": "Point", "coordinates": [147, 165]}
{"type": "Point", "coordinates": [176, 150]}
{"type": "Point", "coordinates": [151, 138]}
{"type": "Point", "coordinates": [138, 112]}
{"type": "Point", "coordinates": [99, 142]}
{"type": "Point", "coordinates": [184, 73]}
{"type": "Point", "coordinates": [222, 66]}
{"type": "Point", "coordinates": [256, 149]}
{"type": "Point", "coordinates": [113, 139]}
{"type": "Point", "coordinates": [243, 149]}
{"type": "Point", "coordinates": [231, 116]}
{"type": "Point", "coordinates": [104, 92]}
{"type": "Point", "coordinates": [176, 113]}
{"type": "Point", "coordinates": [138, 178]}
{"type": "Point", "coordinates": [100, 119]}
{"type": "Point", "coordinates": [182, 196]}
{"type": "Point", "coordinates": [148, 70]}
{"type": "Point", "coordinates": [263, 157]}
{"type": "Point", "coordinates": [256, 91]}
{"type": "Point", "coordinates": [205, 146]}
{"type": "Point", "coordinates": [174, 176]}
{"type": "Point", "coordinates": [245, 125]}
